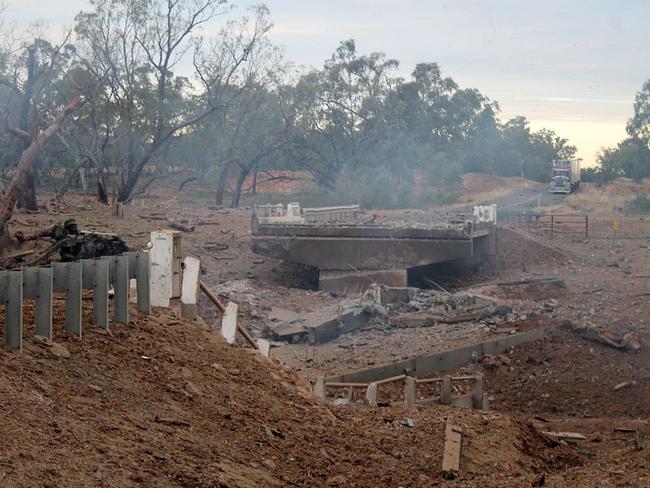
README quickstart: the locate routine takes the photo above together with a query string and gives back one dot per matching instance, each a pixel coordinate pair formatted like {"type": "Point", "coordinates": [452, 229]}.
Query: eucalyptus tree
{"type": "Point", "coordinates": [134, 54]}
{"type": "Point", "coordinates": [333, 105]}
{"type": "Point", "coordinates": [31, 70]}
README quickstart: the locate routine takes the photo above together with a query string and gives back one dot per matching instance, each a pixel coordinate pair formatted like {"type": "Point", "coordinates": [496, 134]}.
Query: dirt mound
{"type": "Point", "coordinates": [517, 248]}
{"type": "Point", "coordinates": [544, 375]}
{"type": "Point", "coordinates": [167, 403]}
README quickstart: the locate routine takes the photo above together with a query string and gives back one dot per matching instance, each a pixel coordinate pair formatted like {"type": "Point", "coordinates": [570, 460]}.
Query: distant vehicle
{"type": "Point", "coordinates": [565, 176]}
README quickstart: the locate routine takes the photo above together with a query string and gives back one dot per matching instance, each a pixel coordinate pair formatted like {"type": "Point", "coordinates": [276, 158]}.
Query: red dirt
{"type": "Point", "coordinates": [165, 402]}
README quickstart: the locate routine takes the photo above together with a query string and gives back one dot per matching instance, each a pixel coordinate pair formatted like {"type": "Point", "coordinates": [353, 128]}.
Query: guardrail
{"type": "Point", "coordinates": [71, 279]}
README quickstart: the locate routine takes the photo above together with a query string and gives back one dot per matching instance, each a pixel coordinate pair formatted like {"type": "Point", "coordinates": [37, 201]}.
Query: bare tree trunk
{"type": "Point", "coordinates": [102, 192]}
{"type": "Point", "coordinates": [236, 196]}
{"type": "Point", "coordinates": [25, 165]}
{"type": "Point", "coordinates": [26, 197]}
{"type": "Point", "coordinates": [221, 187]}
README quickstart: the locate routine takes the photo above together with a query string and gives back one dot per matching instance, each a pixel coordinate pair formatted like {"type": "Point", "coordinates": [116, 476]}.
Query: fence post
{"type": "Point", "coordinates": [477, 392]}
{"type": "Point", "coordinates": [445, 390]}
{"type": "Point", "coordinates": [371, 394]}
{"type": "Point", "coordinates": [552, 226]}
{"type": "Point", "coordinates": [319, 388]}
{"type": "Point", "coordinates": [409, 391]}
{"type": "Point", "coordinates": [586, 227]}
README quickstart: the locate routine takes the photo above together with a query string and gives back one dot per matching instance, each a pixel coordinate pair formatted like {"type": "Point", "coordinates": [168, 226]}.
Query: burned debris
{"type": "Point", "coordinates": [68, 241]}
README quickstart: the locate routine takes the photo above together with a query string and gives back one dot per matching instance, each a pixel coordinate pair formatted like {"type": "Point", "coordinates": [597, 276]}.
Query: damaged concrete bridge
{"type": "Point", "coordinates": [351, 254]}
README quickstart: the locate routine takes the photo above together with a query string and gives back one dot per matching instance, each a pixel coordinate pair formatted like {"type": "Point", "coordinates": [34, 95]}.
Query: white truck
{"type": "Point", "coordinates": [565, 176]}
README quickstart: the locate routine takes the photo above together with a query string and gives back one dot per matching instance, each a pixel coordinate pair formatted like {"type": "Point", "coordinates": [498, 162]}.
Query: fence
{"type": "Point", "coordinates": [71, 279]}
{"type": "Point", "coordinates": [580, 226]}
{"type": "Point", "coordinates": [476, 399]}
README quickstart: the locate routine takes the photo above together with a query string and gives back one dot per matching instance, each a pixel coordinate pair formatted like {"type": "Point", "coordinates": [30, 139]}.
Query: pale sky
{"type": "Point", "coordinates": [573, 66]}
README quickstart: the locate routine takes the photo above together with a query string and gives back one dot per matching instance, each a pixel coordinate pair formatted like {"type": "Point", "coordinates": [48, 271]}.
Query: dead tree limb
{"type": "Point", "coordinates": [25, 166]}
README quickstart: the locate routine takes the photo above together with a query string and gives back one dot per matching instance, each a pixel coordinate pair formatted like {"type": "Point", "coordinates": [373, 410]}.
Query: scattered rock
{"type": "Point", "coordinates": [268, 464]}
{"type": "Point", "coordinates": [625, 384]}
{"type": "Point", "coordinates": [341, 402]}
{"type": "Point", "coordinates": [59, 350]}
{"type": "Point", "coordinates": [338, 480]}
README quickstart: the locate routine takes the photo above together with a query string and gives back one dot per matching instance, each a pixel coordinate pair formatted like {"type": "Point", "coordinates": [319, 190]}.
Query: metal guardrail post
{"type": "Point", "coordinates": [142, 279]}
{"type": "Point", "coordinates": [68, 279]}
{"type": "Point", "coordinates": [12, 295]}
{"type": "Point", "coordinates": [37, 285]}
{"type": "Point", "coordinates": [100, 293]}
{"type": "Point", "coordinates": [121, 288]}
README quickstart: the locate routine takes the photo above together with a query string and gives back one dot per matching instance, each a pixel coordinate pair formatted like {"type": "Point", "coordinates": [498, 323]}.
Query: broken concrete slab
{"type": "Point", "coordinates": [328, 324]}
{"type": "Point", "coordinates": [286, 331]}
{"type": "Point", "coordinates": [278, 314]}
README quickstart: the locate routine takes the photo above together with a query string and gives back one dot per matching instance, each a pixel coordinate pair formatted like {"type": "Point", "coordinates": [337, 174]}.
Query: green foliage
{"type": "Point", "coordinates": [638, 205]}
{"type": "Point", "coordinates": [630, 158]}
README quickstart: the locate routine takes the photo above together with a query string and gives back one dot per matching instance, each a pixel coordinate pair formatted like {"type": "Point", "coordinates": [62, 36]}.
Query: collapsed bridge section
{"type": "Point", "coordinates": [351, 254]}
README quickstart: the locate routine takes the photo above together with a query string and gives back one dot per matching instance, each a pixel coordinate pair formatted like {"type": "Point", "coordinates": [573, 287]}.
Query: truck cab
{"type": "Point", "coordinates": [565, 176]}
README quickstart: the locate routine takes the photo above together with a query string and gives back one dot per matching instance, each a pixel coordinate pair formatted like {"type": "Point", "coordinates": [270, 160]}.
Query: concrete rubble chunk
{"type": "Point", "coordinates": [278, 314]}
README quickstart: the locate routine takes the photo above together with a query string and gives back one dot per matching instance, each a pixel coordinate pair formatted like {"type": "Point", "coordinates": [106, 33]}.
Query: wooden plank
{"type": "Point", "coordinates": [451, 456]}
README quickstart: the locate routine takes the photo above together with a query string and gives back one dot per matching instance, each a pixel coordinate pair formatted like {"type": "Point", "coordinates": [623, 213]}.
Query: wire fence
{"type": "Point", "coordinates": [579, 226]}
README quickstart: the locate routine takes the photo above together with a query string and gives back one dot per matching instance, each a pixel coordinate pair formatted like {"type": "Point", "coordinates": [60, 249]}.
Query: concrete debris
{"type": "Point", "coordinates": [625, 384]}
{"type": "Point", "coordinates": [278, 314]}
{"type": "Point", "coordinates": [451, 455]}
{"type": "Point", "coordinates": [339, 402]}
{"type": "Point", "coordinates": [529, 289]}
{"type": "Point", "coordinates": [564, 436]}
{"type": "Point", "coordinates": [494, 362]}
{"type": "Point", "coordinates": [407, 422]}
{"type": "Point", "coordinates": [321, 326]}
{"type": "Point", "coordinates": [471, 313]}
{"type": "Point", "coordinates": [629, 342]}
{"type": "Point", "coordinates": [59, 350]}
